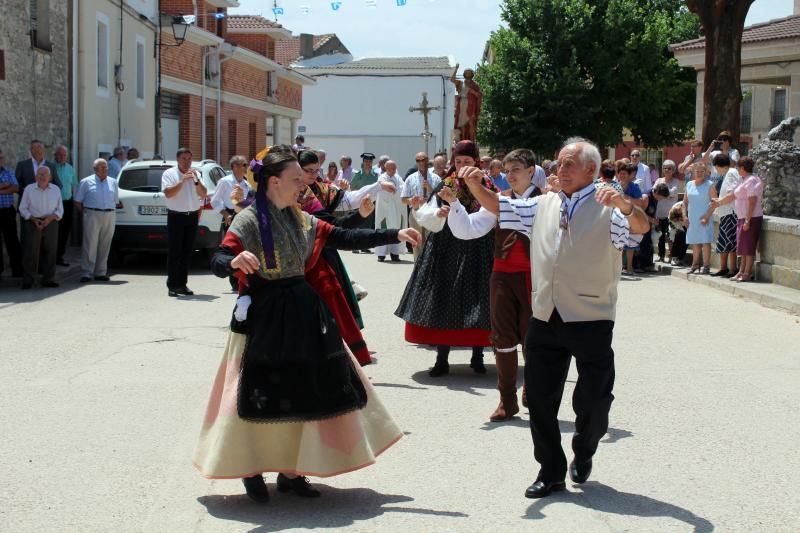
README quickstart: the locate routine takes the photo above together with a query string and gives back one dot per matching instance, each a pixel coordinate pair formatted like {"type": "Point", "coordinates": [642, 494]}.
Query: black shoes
{"type": "Point", "coordinates": [298, 485]}
{"type": "Point", "coordinates": [721, 273]}
{"type": "Point", "coordinates": [85, 279]}
{"type": "Point", "coordinates": [579, 471]}
{"type": "Point", "coordinates": [102, 278]}
{"type": "Point", "coordinates": [172, 293]}
{"type": "Point", "coordinates": [540, 489]}
{"type": "Point", "coordinates": [256, 488]}
{"type": "Point", "coordinates": [395, 258]}
{"type": "Point", "coordinates": [381, 258]}
{"type": "Point", "coordinates": [62, 263]}
{"type": "Point", "coordinates": [185, 291]}
{"type": "Point", "coordinates": [49, 284]}
{"type": "Point", "coordinates": [366, 251]}
{"type": "Point", "coordinates": [476, 364]}
{"type": "Point", "coordinates": [439, 369]}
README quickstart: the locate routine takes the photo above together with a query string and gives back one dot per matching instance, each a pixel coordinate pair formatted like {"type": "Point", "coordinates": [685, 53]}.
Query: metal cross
{"type": "Point", "coordinates": [425, 109]}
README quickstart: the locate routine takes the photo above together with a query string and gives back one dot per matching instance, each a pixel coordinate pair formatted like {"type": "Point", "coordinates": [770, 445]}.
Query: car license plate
{"type": "Point", "coordinates": [152, 210]}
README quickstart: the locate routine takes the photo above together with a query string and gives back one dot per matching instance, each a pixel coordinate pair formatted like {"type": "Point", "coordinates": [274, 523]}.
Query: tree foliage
{"type": "Point", "coordinates": [587, 67]}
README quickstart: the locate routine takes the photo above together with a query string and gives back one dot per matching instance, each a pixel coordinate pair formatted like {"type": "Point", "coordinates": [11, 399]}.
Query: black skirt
{"type": "Point", "coordinates": [295, 366]}
{"type": "Point", "coordinates": [449, 287]}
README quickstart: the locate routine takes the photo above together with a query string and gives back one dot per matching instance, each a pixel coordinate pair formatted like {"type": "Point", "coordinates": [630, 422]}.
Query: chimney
{"type": "Point", "coordinates": [307, 44]}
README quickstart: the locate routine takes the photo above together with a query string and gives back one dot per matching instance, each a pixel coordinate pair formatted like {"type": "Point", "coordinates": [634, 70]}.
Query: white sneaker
{"type": "Point", "coordinates": [360, 291]}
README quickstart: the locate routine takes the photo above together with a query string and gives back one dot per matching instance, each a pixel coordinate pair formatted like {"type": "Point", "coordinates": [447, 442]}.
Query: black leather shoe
{"type": "Point", "coordinates": [298, 485]}
{"type": "Point", "coordinates": [256, 489]}
{"type": "Point", "coordinates": [540, 489]}
{"type": "Point", "coordinates": [85, 279]}
{"type": "Point", "coordinates": [477, 365]}
{"type": "Point", "coordinates": [395, 258]}
{"type": "Point", "coordinates": [439, 369]}
{"type": "Point", "coordinates": [185, 291]}
{"type": "Point", "coordinates": [50, 284]}
{"type": "Point", "coordinates": [721, 273]}
{"type": "Point", "coordinates": [381, 258]}
{"type": "Point", "coordinates": [62, 263]}
{"type": "Point", "coordinates": [172, 293]}
{"type": "Point", "coordinates": [579, 471]}
{"type": "Point", "coordinates": [102, 278]}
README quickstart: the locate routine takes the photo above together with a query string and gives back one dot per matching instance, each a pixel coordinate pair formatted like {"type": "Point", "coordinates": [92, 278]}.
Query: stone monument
{"type": "Point", "coordinates": [777, 161]}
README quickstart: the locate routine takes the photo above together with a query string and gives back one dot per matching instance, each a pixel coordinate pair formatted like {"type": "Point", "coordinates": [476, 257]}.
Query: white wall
{"type": "Point", "coordinates": [352, 114]}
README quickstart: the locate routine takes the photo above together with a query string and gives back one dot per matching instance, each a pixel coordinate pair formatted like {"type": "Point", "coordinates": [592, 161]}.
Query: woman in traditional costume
{"type": "Point", "coordinates": [446, 301]}
{"type": "Point", "coordinates": [288, 396]}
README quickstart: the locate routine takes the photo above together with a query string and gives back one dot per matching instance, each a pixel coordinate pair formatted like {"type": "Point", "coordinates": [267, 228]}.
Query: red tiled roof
{"type": "Point", "coordinates": [250, 22]}
{"type": "Point", "coordinates": [287, 51]}
{"type": "Point", "coordinates": [773, 30]}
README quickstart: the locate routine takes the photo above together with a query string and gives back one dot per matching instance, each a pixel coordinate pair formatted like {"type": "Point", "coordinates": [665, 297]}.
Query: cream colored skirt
{"type": "Point", "coordinates": [230, 447]}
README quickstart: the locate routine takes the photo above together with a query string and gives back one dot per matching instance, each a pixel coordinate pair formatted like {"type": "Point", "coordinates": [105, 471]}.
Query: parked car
{"type": "Point", "coordinates": [142, 210]}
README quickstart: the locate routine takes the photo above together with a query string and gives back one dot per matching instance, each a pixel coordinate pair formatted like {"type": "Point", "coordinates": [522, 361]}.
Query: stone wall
{"type": "Point", "coordinates": [34, 96]}
{"type": "Point", "coordinates": [778, 164]}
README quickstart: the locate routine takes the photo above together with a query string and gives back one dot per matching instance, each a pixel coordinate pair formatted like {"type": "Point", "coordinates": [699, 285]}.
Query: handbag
{"type": "Point", "coordinates": [426, 215]}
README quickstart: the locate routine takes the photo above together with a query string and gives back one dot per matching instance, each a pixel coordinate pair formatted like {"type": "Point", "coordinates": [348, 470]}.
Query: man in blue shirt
{"type": "Point", "coordinates": [97, 198]}
{"type": "Point", "coordinates": [8, 219]}
{"type": "Point", "coordinates": [116, 163]}
{"type": "Point", "coordinates": [497, 175]}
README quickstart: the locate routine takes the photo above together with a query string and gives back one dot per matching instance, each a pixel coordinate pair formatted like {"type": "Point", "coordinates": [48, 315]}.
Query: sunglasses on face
{"type": "Point", "coordinates": [421, 160]}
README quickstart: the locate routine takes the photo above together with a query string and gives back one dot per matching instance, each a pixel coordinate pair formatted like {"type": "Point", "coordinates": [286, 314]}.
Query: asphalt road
{"type": "Point", "coordinates": [104, 386]}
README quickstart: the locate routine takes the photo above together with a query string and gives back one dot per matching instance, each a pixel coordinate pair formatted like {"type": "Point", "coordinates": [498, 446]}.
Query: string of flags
{"type": "Point", "coordinates": [336, 5]}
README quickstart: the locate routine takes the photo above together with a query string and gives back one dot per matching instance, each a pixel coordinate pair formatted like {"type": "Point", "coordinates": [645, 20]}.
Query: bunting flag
{"type": "Point", "coordinates": [305, 10]}
{"type": "Point", "coordinates": [401, 3]}
{"type": "Point", "coordinates": [371, 3]}
{"type": "Point", "coordinates": [336, 5]}
{"type": "Point", "coordinates": [277, 11]}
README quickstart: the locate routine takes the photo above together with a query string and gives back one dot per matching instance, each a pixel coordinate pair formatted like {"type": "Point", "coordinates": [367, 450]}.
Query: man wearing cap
{"type": "Point", "coordinates": [362, 178]}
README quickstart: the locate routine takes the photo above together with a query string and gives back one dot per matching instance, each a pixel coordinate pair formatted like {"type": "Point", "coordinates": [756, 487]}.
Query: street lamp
{"type": "Point", "coordinates": [179, 29]}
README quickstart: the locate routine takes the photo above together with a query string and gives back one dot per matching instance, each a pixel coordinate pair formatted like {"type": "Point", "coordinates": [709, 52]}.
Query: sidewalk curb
{"type": "Point", "coordinates": [766, 294]}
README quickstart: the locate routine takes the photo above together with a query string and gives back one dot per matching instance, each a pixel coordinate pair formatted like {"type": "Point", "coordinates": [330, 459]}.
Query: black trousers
{"type": "Point", "coordinates": [679, 245]}
{"type": "Point", "coordinates": [663, 239]}
{"type": "Point", "coordinates": [644, 257]}
{"type": "Point", "coordinates": [550, 347]}
{"type": "Point", "coordinates": [181, 229]}
{"type": "Point", "coordinates": [8, 235]}
{"type": "Point", "coordinates": [64, 227]}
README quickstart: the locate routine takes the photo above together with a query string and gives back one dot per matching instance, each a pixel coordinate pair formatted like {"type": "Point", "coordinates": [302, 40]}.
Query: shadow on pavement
{"type": "Point", "coordinates": [398, 386]}
{"type": "Point", "coordinates": [336, 509]}
{"type": "Point", "coordinates": [461, 379]}
{"type": "Point", "coordinates": [566, 426]}
{"type": "Point", "coordinates": [602, 498]}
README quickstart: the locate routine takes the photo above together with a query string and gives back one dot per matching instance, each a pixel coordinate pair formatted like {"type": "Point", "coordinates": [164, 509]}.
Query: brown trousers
{"type": "Point", "coordinates": [39, 251]}
{"type": "Point", "coordinates": [510, 314]}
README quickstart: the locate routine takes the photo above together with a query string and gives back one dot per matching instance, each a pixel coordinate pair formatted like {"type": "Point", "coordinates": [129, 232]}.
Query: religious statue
{"type": "Point", "coordinates": [468, 104]}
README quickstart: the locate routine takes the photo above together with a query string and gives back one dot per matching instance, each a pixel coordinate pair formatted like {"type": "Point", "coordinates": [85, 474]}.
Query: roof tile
{"type": "Point", "coordinates": [773, 30]}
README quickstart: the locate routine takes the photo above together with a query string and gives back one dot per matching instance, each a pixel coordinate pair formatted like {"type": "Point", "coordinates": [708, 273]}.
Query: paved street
{"type": "Point", "coordinates": [104, 386]}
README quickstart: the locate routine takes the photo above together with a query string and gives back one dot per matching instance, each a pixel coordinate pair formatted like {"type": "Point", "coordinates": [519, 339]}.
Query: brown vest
{"type": "Point", "coordinates": [504, 239]}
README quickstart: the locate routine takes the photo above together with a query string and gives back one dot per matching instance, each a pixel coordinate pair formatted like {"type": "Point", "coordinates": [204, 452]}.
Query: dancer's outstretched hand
{"type": "Point", "coordinates": [388, 187]}
{"type": "Point", "coordinates": [409, 235]}
{"type": "Point", "coordinates": [366, 208]}
{"type": "Point", "coordinates": [447, 195]}
{"type": "Point", "coordinates": [246, 262]}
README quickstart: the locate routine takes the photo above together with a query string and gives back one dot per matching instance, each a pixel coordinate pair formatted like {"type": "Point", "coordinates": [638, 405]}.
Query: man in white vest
{"type": "Point", "coordinates": [576, 240]}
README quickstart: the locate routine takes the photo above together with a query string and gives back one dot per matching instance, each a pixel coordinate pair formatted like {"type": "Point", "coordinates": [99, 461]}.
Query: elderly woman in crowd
{"type": "Point", "coordinates": [697, 210]}
{"type": "Point", "coordinates": [726, 238]}
{"type": "Point", "coordinates": [669, 178]}
{"type": "Point", "coordinates": [608, 171]}
{"type": "Point", "coordinates": [749, 196]}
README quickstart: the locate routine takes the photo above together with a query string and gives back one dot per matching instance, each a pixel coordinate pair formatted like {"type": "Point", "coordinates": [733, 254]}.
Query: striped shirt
{"type": "Point", "coordinates": [519, 215]}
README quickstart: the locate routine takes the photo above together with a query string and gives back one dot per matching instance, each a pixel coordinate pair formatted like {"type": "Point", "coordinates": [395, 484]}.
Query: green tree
{"type": "Point", "coordinates": [587, 67]}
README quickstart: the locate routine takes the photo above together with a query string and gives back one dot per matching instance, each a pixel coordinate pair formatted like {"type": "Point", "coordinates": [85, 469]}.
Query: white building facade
{"type": "Point", "coordinates": [363, 106]}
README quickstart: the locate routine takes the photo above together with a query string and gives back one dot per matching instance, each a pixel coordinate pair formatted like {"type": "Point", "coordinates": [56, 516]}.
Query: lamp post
{"type": "Point", "coordinates": [179, 28]}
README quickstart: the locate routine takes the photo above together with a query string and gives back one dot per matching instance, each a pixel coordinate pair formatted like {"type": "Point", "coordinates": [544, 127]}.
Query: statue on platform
{"type": "Point", "coordinates": [468, 105]}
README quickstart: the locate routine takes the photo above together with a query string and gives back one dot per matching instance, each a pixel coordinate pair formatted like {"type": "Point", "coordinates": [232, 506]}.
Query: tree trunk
{"type": "Point", "coordinates": [723, 23]}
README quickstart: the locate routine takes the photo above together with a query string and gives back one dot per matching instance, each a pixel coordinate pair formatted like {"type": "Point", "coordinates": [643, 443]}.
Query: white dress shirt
{"type": "Point", "coordinates": [519, 215]}
{"type": "Point", "coordinates": [475, 225]}
{"type": "Point", "coordinates": [540, 178]}
{"type": "Point", "coordinates": [186, 198]}
{"type": "Point", "coordinates": [222, 194]}
{"type": "Point", "coordinates": [95, 193]}
{"type": "Point", "coordinates": [39, 203]}
{"type": "Point", "coordinates": [352, 199]}
{"type": "Point", "coordinates": [413, 185]}
{"type": "Point", "coordinates": [643, 178]}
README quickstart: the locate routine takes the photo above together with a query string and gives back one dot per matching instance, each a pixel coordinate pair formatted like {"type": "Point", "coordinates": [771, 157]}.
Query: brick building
{"type": "Point", "coordinates": [223, 93]}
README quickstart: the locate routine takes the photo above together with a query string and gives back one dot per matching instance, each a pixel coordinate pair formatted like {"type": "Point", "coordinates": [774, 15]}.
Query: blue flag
{"type": "Point", "coordinates": [401, 3]}
{"type": "Point", "coordinates": [336, 5]}
{"type": "Point", "coordinates": [277, 11]}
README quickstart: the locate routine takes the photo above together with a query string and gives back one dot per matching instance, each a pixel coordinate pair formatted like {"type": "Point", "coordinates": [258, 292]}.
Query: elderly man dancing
{"type": "Point", "coordinates": [576, 240]}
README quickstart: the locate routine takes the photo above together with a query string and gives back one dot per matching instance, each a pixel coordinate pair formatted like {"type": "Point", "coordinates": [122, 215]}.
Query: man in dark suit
{"type": "Point", "coordinates": [26, 169]}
